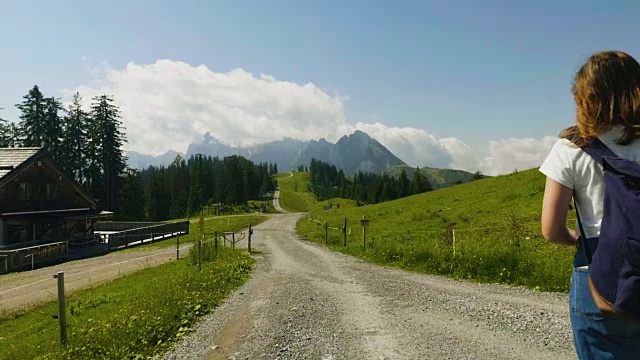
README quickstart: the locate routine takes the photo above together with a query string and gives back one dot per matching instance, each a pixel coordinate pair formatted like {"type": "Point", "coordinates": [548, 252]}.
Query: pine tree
{"type": "Point", "coordinates": [404, 185]}
{"type": "Point", "coordinates": [53, 132]}
{"type": "Point", "coordinates": [32, 120]}
{"type": "Point", "coordinates": [266, 184]}
{"type": "Point", "coordinates": [131, 197]}
{"type": "Point", "coordinates": [92, 172]}
{"type": "Point", "coordinates": [74, 137]}
{"type": "Point", "coordinates": [154, 194]}
{"type": "Point", "coordinates": [196, 190]}
{"type": "Point", "coordinates": [420, 183]}
{"type": "Point", "coordinates": [14, 135]}
{"type": "Point", "coordinates": [179, 187]}
{"type": "Point", "coordinates": [106, 118]}
{"type": "Point", "coordinates": [4, 133]}
{"type": "Point", "coordinates": [249, 180]}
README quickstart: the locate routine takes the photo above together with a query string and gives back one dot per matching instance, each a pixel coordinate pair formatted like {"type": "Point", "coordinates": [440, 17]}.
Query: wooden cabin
{"type": "Point", "coordinates": [40, 204]}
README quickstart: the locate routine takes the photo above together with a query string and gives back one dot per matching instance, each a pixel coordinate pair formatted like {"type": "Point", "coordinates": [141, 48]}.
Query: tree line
{"type": "Point", "coordinates": [185, 186]}
{"type": "Point", "coordinates": [87, 145]}
{"type": "Point", "coordinates": [326, 181]}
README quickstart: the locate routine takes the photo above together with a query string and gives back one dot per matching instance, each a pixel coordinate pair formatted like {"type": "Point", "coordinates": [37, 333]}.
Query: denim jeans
{"type": "Point", "coordinates": [597, 335]}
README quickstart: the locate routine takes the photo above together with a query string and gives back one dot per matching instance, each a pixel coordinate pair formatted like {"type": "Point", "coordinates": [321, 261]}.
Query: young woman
{"type": "Point", "coordinates": [606, 91]}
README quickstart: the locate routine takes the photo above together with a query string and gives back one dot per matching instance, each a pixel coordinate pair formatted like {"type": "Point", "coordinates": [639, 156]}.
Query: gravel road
{"type": "Point", "coordinates": [276, 202]}
{"type": "Point", "coordinates": [306, 302]}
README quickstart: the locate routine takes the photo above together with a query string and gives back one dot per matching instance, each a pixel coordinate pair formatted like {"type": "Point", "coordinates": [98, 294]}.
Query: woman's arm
{"type": "Point", "coordinates": [555, 207]}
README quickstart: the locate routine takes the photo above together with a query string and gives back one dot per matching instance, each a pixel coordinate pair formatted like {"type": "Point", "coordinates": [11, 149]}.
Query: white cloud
{"type": "Point", "coordinates": [170, 104]}
{"type": "Point", "coordinates": [507, 155]}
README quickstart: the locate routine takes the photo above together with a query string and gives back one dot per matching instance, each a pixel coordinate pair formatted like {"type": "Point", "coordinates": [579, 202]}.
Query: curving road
{"type": "Point", "coordinates": [276, 202]}
{"type": "Point", "coordinates": [306, 302]}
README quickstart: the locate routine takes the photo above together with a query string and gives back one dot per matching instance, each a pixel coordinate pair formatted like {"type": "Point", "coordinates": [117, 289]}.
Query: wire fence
{"type": "Point", "coordinates": [513, 230]}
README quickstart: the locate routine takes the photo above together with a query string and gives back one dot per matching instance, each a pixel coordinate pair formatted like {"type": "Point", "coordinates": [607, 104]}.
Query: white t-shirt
{"type": "Point", "coordinates": [572, 167]}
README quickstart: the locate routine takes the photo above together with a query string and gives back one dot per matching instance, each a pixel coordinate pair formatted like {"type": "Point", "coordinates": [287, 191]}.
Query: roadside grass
{"type": "Point", "coordinates": [211, 224]}
{"type": "Point", "coordinates": [254, 205]}
{"type": "Point", "coordinates": [497, 233]}
{"type": "Point", "coordinates": [132, 317]}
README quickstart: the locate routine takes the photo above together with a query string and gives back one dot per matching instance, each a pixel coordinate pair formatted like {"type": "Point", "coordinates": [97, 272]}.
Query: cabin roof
{"type": "Point", "coordinates": [15, 160]}
{"type": "Point", "coordinates": [11, 158]}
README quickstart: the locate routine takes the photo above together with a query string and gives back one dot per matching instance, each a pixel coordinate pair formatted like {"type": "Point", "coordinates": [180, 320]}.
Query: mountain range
{"type": "Point", "coordinates": [352, 153]}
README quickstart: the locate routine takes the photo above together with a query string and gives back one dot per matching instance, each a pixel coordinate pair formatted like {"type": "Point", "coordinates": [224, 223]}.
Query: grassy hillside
{"type": "Point", "coordinates": [497, 233]}
{"type": "Point", "coordinates": [294, 196]}
{"type": "Point", "coordinates": [439, 178]}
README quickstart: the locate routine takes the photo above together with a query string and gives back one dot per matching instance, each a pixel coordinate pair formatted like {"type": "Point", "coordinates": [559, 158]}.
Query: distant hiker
{"type": "Point", "coordinates": [606, 91]}
{"type": "Point", "coordinates": [606, 274]}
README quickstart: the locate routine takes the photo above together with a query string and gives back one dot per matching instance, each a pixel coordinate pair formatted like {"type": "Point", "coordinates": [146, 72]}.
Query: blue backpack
{"type": "Point", "coordinates": [614, 267]}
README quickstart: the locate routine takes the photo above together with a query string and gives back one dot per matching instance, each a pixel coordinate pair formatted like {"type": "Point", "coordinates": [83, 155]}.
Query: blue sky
{"type": "Point", "coordinates": [474, 70]}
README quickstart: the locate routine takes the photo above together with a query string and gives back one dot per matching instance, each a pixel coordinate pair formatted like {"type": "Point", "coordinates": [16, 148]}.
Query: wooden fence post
{"type": "Point", "coordinates": [62, 312]}
{"type": "Point", "coordinates": [178, 247]}
{"type": "Point", "coordinates": [453, 234]}
{"type": "Point", "coordinates": [249, 239]}
{"type": "Point", "coordinates": [365, 224]}
{"type": "Point", "coordinates": [233, 241]}
{"type": "Point", "coordinates": [32, 262]}
{"type": "Point", "coordinates": [152, 237]}
{"type": "Point", "coordinates": [215, 240]}
{"type": "Point", "coordinates": [344, 231]}
{"type": "Point", "coordinates": [326, 233]}
{"type": "Point", "coordinates": [200, 255]}
{"type": "Point", "coordinates": [364, 238]}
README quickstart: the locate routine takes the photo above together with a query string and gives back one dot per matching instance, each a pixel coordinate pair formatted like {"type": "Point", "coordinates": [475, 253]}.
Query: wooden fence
{"type": "Point", "coordinates": [122, 225]}
{"type": "Point", "coordinates": [147, 233]}
{"type": "Point", "coordinates": [28, 257]}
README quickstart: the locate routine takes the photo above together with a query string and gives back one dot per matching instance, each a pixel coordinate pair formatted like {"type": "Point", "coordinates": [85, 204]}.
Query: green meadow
{"type": "Point", "coordinates": [486, 230]}
{"type": "Point", "coordinates": [133, 317]}
{"type": "Point", "coordinates": [294, 194]}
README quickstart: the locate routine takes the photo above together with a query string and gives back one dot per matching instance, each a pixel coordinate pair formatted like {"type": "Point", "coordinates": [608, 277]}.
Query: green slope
{"type": "Point", "coordinates": [497, 233]}
{"type": "Point", "coordinates": [296, 197]}
{"type": "Point", "coordinates": [439, 178]}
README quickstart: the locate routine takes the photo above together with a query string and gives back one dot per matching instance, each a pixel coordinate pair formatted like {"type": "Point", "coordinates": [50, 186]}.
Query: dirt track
{"type": "Point", "coordinates": [306, 302]}
{"type": "Point", "coordinates": [26, 289]}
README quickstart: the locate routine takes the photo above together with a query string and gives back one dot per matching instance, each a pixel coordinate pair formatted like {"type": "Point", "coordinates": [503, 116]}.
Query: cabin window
{"type": "Point", "coordinates": [25, 191]}
{"type": "Point", "coordinates": [51, 191]}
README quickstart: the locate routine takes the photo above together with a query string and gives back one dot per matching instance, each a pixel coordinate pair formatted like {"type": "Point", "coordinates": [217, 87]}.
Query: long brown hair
{"type": "Point", "coordinates": [606, 90]}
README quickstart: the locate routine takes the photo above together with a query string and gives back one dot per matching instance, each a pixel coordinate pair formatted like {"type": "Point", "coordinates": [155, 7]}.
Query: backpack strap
{"type": "Point", "coordinates": [583, 238]}
{"type": "Point", "coordinates": [598, 151]}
